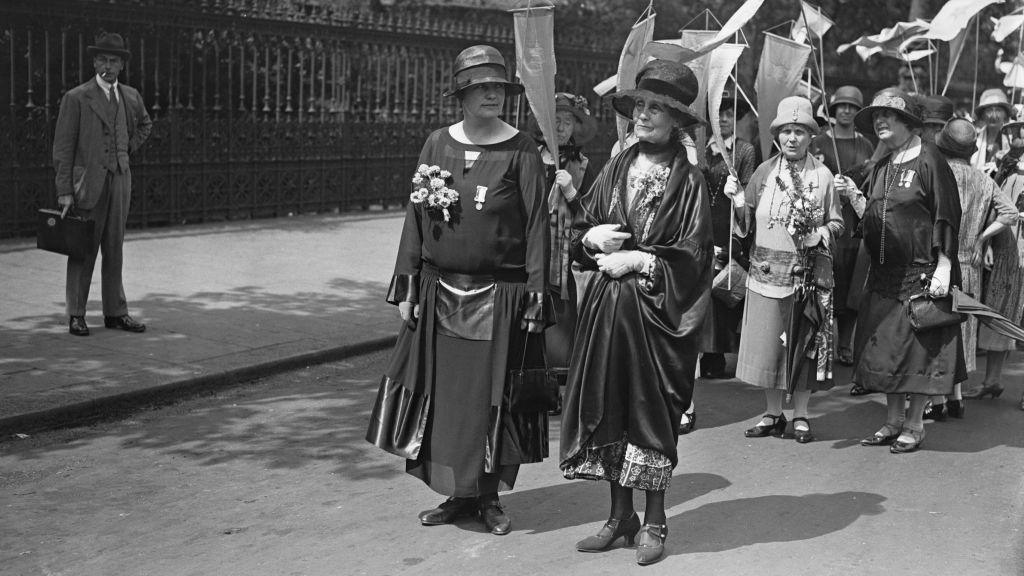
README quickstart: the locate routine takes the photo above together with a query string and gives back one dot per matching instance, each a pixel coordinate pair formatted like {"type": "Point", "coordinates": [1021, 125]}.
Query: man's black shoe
{"type": "Point", "coordinates": [126, 323]}
{"type": "Point", "coordinates": [77, 326]}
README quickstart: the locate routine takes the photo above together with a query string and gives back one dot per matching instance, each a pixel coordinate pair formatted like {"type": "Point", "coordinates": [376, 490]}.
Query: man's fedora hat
{"type": "Point", "coordinates": [894, 100]}
{"type": "Point", "coordinates": [671, 83]}
{"type": "Point", "coordinates": [480, 64]}
{"type": "Point", "coordinates": [109, 44]}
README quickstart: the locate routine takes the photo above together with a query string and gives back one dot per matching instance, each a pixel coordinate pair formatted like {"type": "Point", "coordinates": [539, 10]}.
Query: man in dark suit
{"type": "Point", "coordinates": [101, 122]}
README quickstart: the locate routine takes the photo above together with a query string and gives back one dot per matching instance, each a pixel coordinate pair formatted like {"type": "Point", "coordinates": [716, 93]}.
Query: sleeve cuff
{"type": "Point", "coordinates": [944, 238]}
{"type": "Point", "coordinates": [404, 288]}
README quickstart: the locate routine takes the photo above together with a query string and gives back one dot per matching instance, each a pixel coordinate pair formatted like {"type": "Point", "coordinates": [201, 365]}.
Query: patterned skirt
{"type": "Point", "coordinates": [627, 464]}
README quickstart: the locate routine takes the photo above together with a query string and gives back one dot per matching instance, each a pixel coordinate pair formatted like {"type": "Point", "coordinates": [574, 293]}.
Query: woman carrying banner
{"type": "Point", "coordinates": [644, 233]}
{"type": "Point", "coordinates": [574, 127]}
{"type": "Point", "coordinates": [469, 283]}
{"type": "Point", "coordinates": [765, 210]}
{"type": "Point", "coordinates": [910, 227]}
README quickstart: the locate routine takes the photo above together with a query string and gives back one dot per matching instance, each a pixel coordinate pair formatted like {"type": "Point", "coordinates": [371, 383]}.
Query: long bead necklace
{"type": "Point", "coordinates": [889, 181]}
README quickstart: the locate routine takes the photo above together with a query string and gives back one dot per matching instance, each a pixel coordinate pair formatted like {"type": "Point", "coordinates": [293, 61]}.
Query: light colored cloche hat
{"type": "Point", "coordinates": [480, 64]}
{"type": "Point", "coordinates": [892, 99]}
{"type": "Point", "coordinates": [993, 97]}
{"type": "Point", "coordinates": [794, 110]}
{"type": "Point", "coordinates": [671, 83]}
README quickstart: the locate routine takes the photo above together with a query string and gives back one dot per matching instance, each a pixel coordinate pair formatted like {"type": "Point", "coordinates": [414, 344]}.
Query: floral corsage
{"type": "Point", "coordinates": [431, 184]}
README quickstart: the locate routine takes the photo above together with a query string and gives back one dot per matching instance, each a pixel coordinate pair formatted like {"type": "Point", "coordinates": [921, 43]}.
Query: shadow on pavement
{"type": "Point", "coordinates": [732, 524]}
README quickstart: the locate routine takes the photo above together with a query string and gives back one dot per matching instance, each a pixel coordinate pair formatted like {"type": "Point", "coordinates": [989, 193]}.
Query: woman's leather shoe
{"type": "Point", "coordinates": [956, 408]}
{"type": "Point", "coordinates": [993, 390]}
{"type": "Point", "coordinates": [802, 436]}
{"type": "Point", "coordinates": [651, 546]}
{"type": "Point", "coordinates": [449, 511]}
{"type": "Point", "coordinates": [884, 437]}
{"type": "Point", "coordinates": [689, 422]}
{"type": "Point", "coordinates": [494, 517]}
{"type": "Point", "coordinates": [858, 390]}
{"type": "Point", "coordinates": [77, 326]}
{"type": "Point", "coordinates": [899, 447]}
{"type": "Point", "coordinates": [776, 428]}
{"type": "Point", "coordinates": [936, 413]}
{"type": "Point", "coordinates": [612, 530]}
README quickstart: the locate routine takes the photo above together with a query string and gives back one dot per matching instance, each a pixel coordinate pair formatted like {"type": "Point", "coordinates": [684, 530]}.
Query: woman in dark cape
{"type": "Point", "coordinates": [644, 234]}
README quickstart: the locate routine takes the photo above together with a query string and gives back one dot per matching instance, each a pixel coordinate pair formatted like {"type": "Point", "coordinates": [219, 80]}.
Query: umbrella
{"type": "Point", "coordinates": [810, 330]}
{"type": "Point", "coordinates": [997, 322]}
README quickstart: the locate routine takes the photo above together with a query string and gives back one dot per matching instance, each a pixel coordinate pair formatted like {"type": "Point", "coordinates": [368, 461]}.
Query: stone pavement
{"type": "Point", "coordinates": [223, 303]}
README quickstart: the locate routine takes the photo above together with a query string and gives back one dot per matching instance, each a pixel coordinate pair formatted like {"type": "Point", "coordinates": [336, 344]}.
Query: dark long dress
{"type": "Point", "coordinates": [921, 217]}
{"type": "Point", "coordinates": [721, 330]}
{"type": "Point", "coordinates": [459, 360]}
{"type": "Point", "coordinates": [637, 338]}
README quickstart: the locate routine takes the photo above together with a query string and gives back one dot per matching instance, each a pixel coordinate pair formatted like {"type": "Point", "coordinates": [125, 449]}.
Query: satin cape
{"type": "Point", "coordinates": [635, 349]}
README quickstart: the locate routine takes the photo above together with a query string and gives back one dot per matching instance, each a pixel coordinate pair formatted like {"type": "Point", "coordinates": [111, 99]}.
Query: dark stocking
{"type": "Point", "coordinates": [622, 501]}
{"type": "Point", "coordinates": [654, 512]}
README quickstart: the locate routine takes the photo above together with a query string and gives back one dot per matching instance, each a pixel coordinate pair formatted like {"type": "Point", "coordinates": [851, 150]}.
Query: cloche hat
{"type": "Point", "coordinates": [480, 64]}
{"type": "Point", "coordinates": [894, 100]}
{"type": "Point", "coordinates": [846, 95]}
{"type": "Point", "coordinates": [794, 110]}
{"type": "Point", "coordinates": [671, 83]}
{"type": "Point", "coordinates": [993, 97]}
{"type": "Point", "coordinates": [936, 109]}
{"type": "Point", "coordinates": [108, 43]}
{"type": "Point", "coordinates": [957, 139]}
{"type": "Point", "coordinates": [1016, 122]}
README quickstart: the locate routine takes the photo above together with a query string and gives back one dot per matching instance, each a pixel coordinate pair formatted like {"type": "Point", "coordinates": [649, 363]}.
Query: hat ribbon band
{"type": "Point", "coordinates": [663, 88]}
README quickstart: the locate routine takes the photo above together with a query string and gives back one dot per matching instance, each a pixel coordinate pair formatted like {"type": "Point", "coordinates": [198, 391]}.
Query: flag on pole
{"type": "Point", "coordinates": [630, 61]}
{"type": "Point", "coordinates": [535, 66]}
{"type": "Point", "coordinates": [693, 39]}
{"type": "Point", "coordinates": [1015, 75]}
{"type": "Point", "coordinates": [778, 76]}
{"type": "Point", "coordinates": [888, 41]}
{"type": "Point", "coordinates": [720, 65]}
{"type": "Point", "coordinates": [956, 48]}
{"type": "Point", "coordinates": [954, 16]}
{"type": "Point", "coordinates": [811, 23]}
{"type": "Point", "coordinates": [1005, 26]}
{"type": "Point", "coordinates": [739, 18]}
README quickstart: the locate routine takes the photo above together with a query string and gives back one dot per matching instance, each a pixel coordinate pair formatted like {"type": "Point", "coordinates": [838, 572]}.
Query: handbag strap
{"type": "Point", "coordinates": [543, 353]}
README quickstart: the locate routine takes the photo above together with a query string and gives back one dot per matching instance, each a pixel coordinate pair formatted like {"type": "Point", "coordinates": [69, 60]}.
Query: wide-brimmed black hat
{"type": "Point", "coordinates": [480, 64]}
{"type": "Point", "coordinates": [936, 109]}
{"type": "Point", "coordinates": [109, 44]}
{"type": "Point", "coordinates": [894, 100]}
{"type": "Point", "coordinates": [957, 139]}
{"type": "Point", "coordinates": [671, 83]}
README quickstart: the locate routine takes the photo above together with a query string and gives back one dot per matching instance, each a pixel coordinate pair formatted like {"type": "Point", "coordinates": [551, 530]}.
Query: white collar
{"type": "Point", "coordinates": [713, 145]}
{"type": "Point", "coordinates": [105, 86]}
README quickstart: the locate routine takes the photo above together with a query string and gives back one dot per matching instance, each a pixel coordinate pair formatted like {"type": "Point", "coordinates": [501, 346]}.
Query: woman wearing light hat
{"type": "Point", "coordinates": [992, 112]}
{"type": "Point", "coordinates": [574, 127]}
{"type": "Point", "coordinates": [644, 231]}
{"type": "Point", "coordinates": [469, 284]}
{"type": "Point", "coordinates": [761, 209]}
{"type": "Point", "coordinates": [910, 225]}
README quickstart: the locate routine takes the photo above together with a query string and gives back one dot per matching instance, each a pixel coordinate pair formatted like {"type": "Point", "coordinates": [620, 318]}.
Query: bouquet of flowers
{"type": "Point", "coordinates": [431, 184]}
{"type": "Point", "coordinates": [805, 212]}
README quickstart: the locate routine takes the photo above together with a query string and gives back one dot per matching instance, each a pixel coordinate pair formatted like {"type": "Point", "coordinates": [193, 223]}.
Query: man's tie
{"type": "Point", "coordinates": [112, 99]}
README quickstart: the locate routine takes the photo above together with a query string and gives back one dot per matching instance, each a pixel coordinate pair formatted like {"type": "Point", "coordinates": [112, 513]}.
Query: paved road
{"type": "Point", "coordinates": [274, 478]}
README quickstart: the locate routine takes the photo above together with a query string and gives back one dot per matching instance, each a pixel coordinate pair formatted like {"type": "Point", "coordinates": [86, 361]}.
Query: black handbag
{"type": "Point", "coordinates": [398, 420]}
{"type": "Point", "coordinates": [927, 313]}
{"type": "Point", "coordinates": [69, 235]}
{"type": "Point", "coordinates": [532, 389]}
{"type": "Point", "coordinates": [730, 285]}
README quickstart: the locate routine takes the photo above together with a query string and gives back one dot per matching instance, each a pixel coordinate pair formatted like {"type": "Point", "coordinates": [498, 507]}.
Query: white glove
{"type": "Point", "coordinates": [564, 181]}
{"type": "Point", "coordinates": [604, 237]}
{"type": "Point", "coordinates": [618, 264]}
{"type": "Point", "coordinates": [939, 286]}
{"type": "Point", "coordinates": [408, 310]}
{"type": "Point", "coordinates": [845, 186]}
{"type": "Point", "coordinates": [734, 192]}
{"type": "Point", "coordinates": [812, 239]}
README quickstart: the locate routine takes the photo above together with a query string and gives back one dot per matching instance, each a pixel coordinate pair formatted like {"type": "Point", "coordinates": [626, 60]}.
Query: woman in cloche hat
{"type": "Point", "coordinates": [911, 222]}
{"type": "Point", "coordinates": [643, 242]}
{"type": "Point", "coordinates": [992, 112]}
{"type": "Point", "coordinates": [469, 283]}
{"type": "Point", "coordinates": [763, 209]}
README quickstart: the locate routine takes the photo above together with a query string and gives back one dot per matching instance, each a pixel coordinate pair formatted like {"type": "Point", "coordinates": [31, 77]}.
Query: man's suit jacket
{"type": "Point", "coordinates": [84, 135]}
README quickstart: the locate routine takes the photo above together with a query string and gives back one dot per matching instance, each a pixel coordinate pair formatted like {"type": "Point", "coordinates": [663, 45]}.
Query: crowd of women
{"type": "Point", "coordinates": [515, 256]}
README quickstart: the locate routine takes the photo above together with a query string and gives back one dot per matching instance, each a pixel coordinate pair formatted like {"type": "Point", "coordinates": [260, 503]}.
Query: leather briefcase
{"type": "Point", "coordinates": [71, 235]}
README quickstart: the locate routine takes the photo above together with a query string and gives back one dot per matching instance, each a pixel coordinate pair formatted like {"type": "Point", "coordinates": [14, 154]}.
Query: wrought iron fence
{"type": "Point", "coordinates": [260, 108]}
